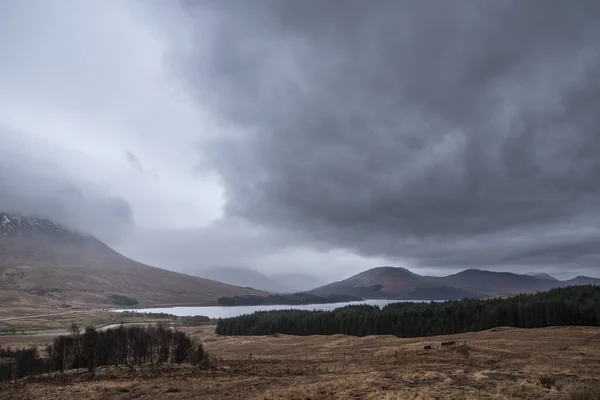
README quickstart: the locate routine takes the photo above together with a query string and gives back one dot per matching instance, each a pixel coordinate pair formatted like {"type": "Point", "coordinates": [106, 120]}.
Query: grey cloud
{"type": "Point", "coordinates": [227, 242]}
{"type": "Point", "coordinates": [451, 134]}
{"type": "Point", "coordinates": [88, 78]}
{"type": "Point", "coordinates": [32, 185]}
{"type": "Point", "coordinates": [234, 242]}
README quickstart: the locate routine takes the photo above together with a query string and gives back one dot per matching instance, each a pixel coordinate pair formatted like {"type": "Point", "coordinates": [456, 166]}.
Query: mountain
{"type": "Point", "coordinates": [46, 266]}
{"type": "Point", "coordinates": [400, 283]}
{"type": "Point", "coordinates": [506, 283]}
{"type": "Point", "coordinates": [245, 277]}
{"type": "Point", "coordinates": [299, 282]}
{"type": "Point", "coordinates": [394, 283]}
{"type": "Point", "coordinates": [278, 283]}
{"type": "Point", "coordinates": [497, 283]}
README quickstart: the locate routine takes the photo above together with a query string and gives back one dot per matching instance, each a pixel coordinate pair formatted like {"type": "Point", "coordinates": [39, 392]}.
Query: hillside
{"type": "Point", "coordinates": [246, 278]}
{"type": "Point", "coordinates": [394, 283]}
{"type": "Point", "coordinates": [44, 266]}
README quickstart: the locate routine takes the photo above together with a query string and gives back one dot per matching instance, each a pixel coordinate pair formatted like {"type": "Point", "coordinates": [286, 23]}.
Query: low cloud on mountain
{"type": "Point", "coordinates": [32, 185]}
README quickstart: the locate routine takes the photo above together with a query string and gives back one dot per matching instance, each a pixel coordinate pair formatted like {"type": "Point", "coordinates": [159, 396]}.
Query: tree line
{"type": "Point", "coordinates": [575, 305]}
{"type": "Point", "coordinates": [288, 299]}
{"type": "Point", "coordinates": [121, 300]}
{"type": "Point", "coordinates": [183, 319]}
{"type": "Point", "coordinates": [122, 346]}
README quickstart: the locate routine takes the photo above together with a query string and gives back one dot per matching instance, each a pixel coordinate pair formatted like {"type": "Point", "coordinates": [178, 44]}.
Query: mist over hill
{"type": "Point", "coordinates": [245, 277]}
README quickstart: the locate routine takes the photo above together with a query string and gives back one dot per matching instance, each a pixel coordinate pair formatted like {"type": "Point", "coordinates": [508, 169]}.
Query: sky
{"type": "Point", "coordinates": [323, 137]}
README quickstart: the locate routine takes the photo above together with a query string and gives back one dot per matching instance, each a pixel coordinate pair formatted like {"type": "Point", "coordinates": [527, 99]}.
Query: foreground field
{"type": "Point", "coordinates": [502, 363]}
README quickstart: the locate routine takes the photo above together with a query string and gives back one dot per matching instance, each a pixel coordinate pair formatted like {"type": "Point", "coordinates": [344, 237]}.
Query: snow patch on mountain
{"type": "Point", "coordinates": [18, 225]}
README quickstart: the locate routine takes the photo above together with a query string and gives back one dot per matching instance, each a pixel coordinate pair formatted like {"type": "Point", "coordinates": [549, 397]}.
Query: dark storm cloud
{"type": "Point", "coordinates": [452, 133]}
{"type": "Point", "coordinates": [31, 185]}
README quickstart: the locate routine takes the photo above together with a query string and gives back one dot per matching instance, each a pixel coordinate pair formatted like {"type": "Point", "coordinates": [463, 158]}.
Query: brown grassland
{"type": "Point", "coordinates": [30, 290]}
{"type": "Point", "coordinates": [502, 363]}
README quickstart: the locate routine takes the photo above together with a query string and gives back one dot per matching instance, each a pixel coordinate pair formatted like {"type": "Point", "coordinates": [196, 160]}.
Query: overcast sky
{"type": "Point", "coordinates": [325, 137]}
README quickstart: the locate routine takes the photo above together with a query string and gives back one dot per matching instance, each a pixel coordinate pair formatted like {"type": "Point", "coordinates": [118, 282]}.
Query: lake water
{"type": "Point", "coordinates": [234, 311]}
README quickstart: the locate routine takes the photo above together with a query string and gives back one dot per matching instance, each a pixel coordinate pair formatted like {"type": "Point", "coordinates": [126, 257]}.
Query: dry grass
{"type": "Point", "coordinates": [504, 363]}
{"type": "Point", "coordinates": [30, 290]}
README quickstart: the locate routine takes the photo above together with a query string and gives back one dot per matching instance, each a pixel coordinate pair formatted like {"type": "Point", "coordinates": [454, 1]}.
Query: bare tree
{"type": "Point", "coordinates": [77, 344]}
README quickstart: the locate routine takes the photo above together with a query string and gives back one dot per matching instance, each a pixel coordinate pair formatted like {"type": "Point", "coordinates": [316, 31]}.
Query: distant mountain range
{"type": "Point", "coordinates": [400, 283]}
{"type": "Point", "coordinates": [46, 266]}
{"type": "Point", "coordinates": [278, 283]}
{"type": "Point", "coordinates": [245, 277]}
{"type": "Point", "coordinates": [298, 281]}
